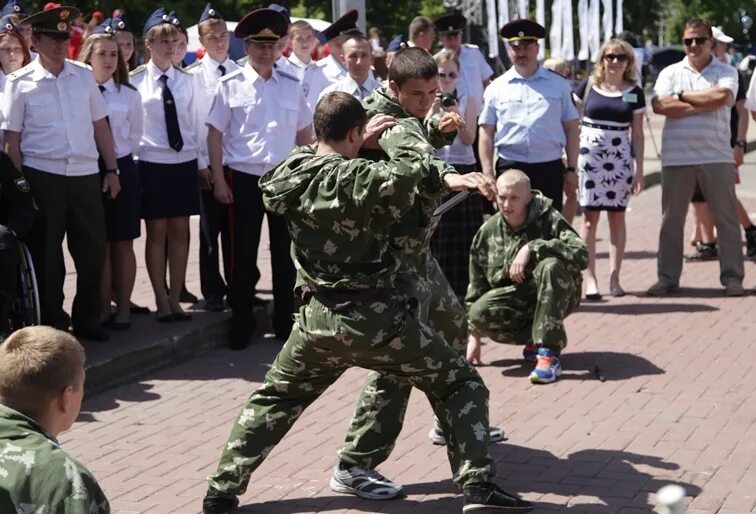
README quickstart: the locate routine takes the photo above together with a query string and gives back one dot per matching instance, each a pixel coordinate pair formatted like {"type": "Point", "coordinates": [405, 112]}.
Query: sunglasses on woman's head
{"type": "Point", "coordinates": [699, 40]}
{"type": "Point", "coordinates": [616, 57]}
{"type": "Point", "coordinates": [451, 75]}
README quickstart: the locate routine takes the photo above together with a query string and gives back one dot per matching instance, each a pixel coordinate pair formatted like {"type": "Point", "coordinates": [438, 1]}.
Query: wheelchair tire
{"type": "Point", "coordinates": [27, 312]}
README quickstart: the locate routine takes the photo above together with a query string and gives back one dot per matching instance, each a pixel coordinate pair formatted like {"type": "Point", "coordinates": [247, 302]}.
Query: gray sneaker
{"type": "Point", "coordinates": [436, 435]}
{"type": "Point", "coordinates": [365, 483]}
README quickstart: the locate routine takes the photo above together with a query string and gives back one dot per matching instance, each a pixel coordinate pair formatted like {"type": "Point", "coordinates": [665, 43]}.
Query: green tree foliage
{"type": "Point", "coordinates": [723, 13]}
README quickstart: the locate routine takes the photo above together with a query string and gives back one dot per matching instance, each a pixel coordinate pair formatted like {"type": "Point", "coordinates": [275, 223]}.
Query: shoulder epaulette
{"type": "Point", "coordinates": [138, 70]}
{"type": "Point", "coordinates": [79, 64]}
{"type": "Point", "coordinates": [470, 45]}
{"type": "Point", "coordinates": [20, 73]}
{"type": "Point", "coordinates": [182, 70]}
{"type": "Point", "coordinates": [287, 75]}
{"type": "Point", "coordinates": [192, 66]}
{"type": "Point", "coordinates": [230, 75]}
{"type": "Point", "coordinates": [243, 61]}
{"type": "Point", "coordinates": [130, 86]}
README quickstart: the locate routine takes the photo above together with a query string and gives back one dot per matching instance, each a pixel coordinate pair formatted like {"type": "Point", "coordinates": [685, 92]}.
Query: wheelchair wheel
{"type": "Point", "coordinates": [26, 310]}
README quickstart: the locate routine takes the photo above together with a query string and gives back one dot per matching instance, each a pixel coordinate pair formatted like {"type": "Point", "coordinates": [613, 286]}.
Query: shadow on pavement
{"type": "Point", "coordinates": [599, 481]}
{"type": "Point", "coordinates": [249, 365]}
{"type": "Point", "coordinates": [612, 366]}
{"type": "Point", "coordinates": [646, 308]}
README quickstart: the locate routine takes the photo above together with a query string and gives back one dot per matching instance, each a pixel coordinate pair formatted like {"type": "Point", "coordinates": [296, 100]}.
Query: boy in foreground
{"type": "Point", "coordinates": [41, 387]}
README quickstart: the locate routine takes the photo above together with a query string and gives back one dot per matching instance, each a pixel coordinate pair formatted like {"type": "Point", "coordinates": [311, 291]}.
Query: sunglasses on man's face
{"type": "Point", "coordinates": [450, 75]}
{"type": "Point", "coordinates": [615, 57]}
{"type": "Point", "coordinates": [688, 41]}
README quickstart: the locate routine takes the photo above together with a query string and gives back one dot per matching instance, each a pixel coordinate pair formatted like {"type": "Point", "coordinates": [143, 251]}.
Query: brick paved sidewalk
{"type": "Point", "coordinates": [677, 405]}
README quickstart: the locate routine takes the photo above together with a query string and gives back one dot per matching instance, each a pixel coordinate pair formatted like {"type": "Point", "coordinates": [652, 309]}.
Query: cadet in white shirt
{"type": "Point", "coordinates": [259, 114]}
{"type": "Point", "coordinates": [215, 64]}
{"type": "Point", "coordinates": [358, 56]}
{"type": "Point", "coordinates": [333, 66]}
{"type": "Point", "coordinates": [123, 213]}
{"type": "Point", "coordinates": [14, 54]}
{"type": "Point", "coordinates": [303, 42]}
{"type": "Point", "coordinates": [169, 161]}
{"type": "Point", "coordinates": [475, 73]}
{"type": "Point", "coordinates": [54, 122]}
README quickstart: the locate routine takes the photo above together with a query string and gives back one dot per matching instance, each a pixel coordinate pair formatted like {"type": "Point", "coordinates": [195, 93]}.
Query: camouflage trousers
{"type": "Point", "coordinates": [383, 334]}
{"type": "Point", "coordinates": [532, 311]}
{"type": "Point", "coordinates": [379, 415]}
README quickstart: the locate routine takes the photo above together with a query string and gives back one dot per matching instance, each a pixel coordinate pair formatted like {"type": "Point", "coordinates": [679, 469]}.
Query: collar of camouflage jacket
{"type": "Point", "coordinates": [14, 426]}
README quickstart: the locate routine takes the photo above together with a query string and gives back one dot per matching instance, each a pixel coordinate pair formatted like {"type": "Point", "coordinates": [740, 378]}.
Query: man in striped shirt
{"type": "Point", "coordinates": [696, 95]}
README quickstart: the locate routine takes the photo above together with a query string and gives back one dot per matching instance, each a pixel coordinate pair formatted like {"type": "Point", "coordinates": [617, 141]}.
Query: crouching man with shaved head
{"type": "Point", "coordinates": [525, 265]}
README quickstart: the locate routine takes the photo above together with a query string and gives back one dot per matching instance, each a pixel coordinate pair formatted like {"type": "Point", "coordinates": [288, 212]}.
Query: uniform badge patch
{"type": "Point", "coordinates": [22, 185]}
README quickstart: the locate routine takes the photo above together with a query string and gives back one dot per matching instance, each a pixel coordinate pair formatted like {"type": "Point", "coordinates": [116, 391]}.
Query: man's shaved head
{"type": "Point", "coordinates": [513, 196]}
{"type": "Point", "coordinates": [512, 178]}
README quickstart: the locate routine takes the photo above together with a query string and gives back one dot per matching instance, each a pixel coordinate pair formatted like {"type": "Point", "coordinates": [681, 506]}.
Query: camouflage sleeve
{"type": "Point", "coordinates": [435, 137]}
{"type": "Point", "coordinates": [409, 133]}
{"type": "Point", "coordinates": [478, 284]}
{"type": "Point", "coordinates": [564, 243]}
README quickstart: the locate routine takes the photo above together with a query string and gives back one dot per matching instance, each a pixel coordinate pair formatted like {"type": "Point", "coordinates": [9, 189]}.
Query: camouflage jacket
{"type": "Point", "coordinates": [339, 212]}
{"type": "Point", "coordinates": [495, 246]}
{"type": "Point", "coordinates": [411, 236]}
{"type": "Point", "coordinates": [38, 477]}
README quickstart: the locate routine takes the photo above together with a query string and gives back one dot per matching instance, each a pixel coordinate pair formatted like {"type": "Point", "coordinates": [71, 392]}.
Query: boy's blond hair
{"type": "Point", "coordinates": [36, 364]}
{"type": "Point", "coordinates": [300, 26]}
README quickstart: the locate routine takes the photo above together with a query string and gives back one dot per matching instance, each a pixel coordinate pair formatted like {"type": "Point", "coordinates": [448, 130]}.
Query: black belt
{"type": "Point", "coordinates": [603, 127]}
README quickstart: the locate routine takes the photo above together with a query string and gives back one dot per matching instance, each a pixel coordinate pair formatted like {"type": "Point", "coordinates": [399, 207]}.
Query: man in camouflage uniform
{"type": "Point", "coordinates": [525, 265]}
{"type": "Point", "coordinates": [383, 402]}
{"type": "Point", "coordinates": [41, 387]}
{"type": "Point", "coordinates": [339, 210]}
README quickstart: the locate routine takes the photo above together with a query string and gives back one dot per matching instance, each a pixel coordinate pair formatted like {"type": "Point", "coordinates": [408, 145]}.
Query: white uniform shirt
{"type": "Point", "coordinates": [750, 102]}
{"type": "Point", "coordinates": [125, 117]}
{"type": "Point", "coordinates": [700, 138]}
{"type": "Point", "coordinates": [313, 83]}
{"type": "Point", "coordinates": [206, 75]}
{"type": "Point", "coordinates": [332, 68]}
{"type": "Point", "coordinates": [349, 85]}
{"type": "Point", "coordinates": [473, 71]}
{"type": "Point", "coordinates": [154, 146]}
{"type": "Point", "coordinates": [54, 116]}
{"type": "Point", "coordinates": [2, 91]}
{"type": "Point", "coordinates": [259, 118]}
{"type": "Point", "coordinates": [293, 65]}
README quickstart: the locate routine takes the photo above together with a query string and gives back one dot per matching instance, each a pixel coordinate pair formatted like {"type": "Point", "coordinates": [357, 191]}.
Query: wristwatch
{"type": "Point", "coordinates": [680, 96]}
{"type": "Point", "coordinates": [116, 171]}
{"type": "Point", "coordinates": [569, 169]}
{"type": "Point", "coordinates": [741, 143]}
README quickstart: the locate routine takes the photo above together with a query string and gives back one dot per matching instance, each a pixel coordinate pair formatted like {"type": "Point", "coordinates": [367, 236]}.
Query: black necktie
{"type": "Point", "coordinates": [100, 160]}
{"type": "Point", "coordinates": [171, 117]}
{"type": "Point", "coordinates": [222, 69]}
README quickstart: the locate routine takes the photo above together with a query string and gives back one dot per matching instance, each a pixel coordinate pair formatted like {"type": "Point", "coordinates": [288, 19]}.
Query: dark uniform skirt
{"type": "Point", "coordinates": [169, 190]}
{"type": "Point", "coordinates": [451, 242]}
{"type": "Point", "coordinates": [123, 214]}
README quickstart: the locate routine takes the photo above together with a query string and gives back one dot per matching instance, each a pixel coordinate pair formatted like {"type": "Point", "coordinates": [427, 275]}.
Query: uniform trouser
{"type": "Point", "coordinates": [213, 223]}
{"type": "Point", "coordinates": [385, 336]}
{"type": "Point", "coordinates": [531, 311]}
{"type": "Point", "coordinates": [547, 177]}
{"type": "Point", "coordinates": [245, 222]}
{"type": "Point", "coordinates": [70, 207]}
{"type": "Point", "coordinates": [379, 415]}
{"type": "Point", "coordinates": [717, 182]}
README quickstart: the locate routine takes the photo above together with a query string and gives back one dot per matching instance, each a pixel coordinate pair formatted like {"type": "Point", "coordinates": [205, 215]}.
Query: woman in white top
{"type": "Point", "coordinates": [14, 54]}
{"type": "Point", "coordinates": [169, 162]}
{"type": "Point", "coordinates": [123, 213]}
{"type": "Point", "coordinates": [451, 242]}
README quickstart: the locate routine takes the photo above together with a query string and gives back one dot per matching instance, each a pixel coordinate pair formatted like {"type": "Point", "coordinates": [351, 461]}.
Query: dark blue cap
{"type": "Point", "coordinates": [160, 16]}
{"type": "Point", "coordinates": [454, 22]}
{"type": "Point", "coordinates": [210, 14]}
{"type": "Point", "coordinates": [13, 7]}
{"type": "Point", "coordinates": [262, 25]}
{"type": "Point", "coordinates": [283, 10]}
{"type": "Point", "coordinates": [110, 26]}
{"type": "Point", "coordinates": [7, 25]}
{"type": "Point", "coordinates": [397, 43]}
{"type": "Point", "coordinates": [121, 19]}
